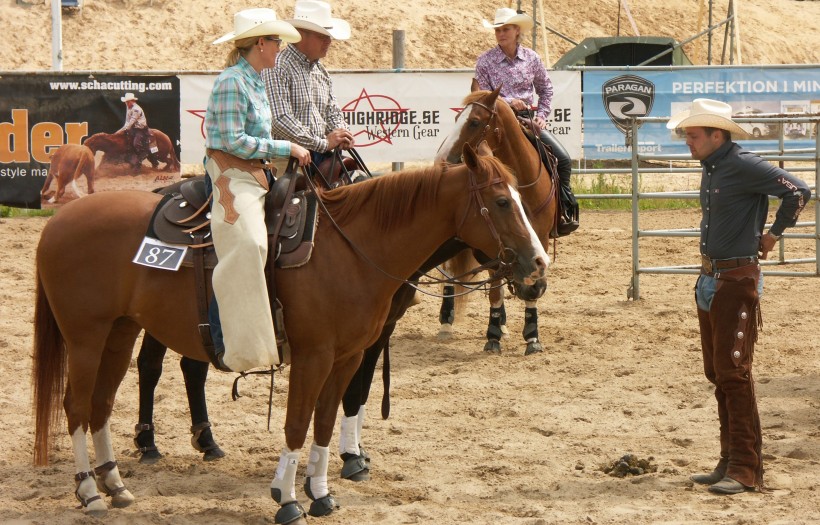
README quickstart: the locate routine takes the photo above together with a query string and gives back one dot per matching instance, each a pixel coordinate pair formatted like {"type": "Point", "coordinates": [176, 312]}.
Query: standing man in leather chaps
{"type": "Point", "coordinates": [734, 197]}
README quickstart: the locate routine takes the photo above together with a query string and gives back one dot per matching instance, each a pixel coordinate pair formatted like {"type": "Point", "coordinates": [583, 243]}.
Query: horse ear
{"type": "Point", "coordinates": [469, 155]}
{"type": "Point", "coordinates": [484, 149]}
{"type": "Point", "coordinates": [494, 95]}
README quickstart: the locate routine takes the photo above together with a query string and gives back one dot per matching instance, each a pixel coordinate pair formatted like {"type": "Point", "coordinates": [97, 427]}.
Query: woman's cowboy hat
{"type": "Point", "coordinates": [314, 15]}
{"type": "Point", "coordinates": [259, 22]}
{"type": "Point", "coordinates": [128, 96]}
{"type": "Point", "coordinates": [707, 113]}
{"type": "Point", "coordinates": [505, 16]}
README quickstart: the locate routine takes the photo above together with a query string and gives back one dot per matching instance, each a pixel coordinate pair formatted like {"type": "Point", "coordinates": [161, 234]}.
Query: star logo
{"type": "Point", "coordinates": [384, 108]}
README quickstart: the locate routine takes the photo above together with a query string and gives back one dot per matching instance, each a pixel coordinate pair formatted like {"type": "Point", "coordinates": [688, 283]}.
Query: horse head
{"type": "Point", "coordinates": [476, 122]}
{"type": "Point", "coordinates": [512, 238]}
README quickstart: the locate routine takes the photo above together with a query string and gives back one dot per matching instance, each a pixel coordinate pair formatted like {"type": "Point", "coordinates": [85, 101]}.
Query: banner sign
{"type": "Point", "coordinates": [612, 98]}
{"type": "Point", "coordinates": [40, 113]}
{"type": "Point", "coordinates": [395, 117]}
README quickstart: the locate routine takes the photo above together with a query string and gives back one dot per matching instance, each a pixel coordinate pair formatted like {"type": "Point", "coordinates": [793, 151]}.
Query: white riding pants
{"type": "Point", "coordinates": [241, 243]}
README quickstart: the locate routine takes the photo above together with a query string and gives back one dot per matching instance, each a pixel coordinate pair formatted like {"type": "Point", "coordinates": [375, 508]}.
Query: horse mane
{"type": "Point", "coordinates": [396, 197]}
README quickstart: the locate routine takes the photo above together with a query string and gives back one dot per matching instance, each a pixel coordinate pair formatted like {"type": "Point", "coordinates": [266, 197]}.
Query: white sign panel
{"type": "Point", "coordinates": [395, 116]}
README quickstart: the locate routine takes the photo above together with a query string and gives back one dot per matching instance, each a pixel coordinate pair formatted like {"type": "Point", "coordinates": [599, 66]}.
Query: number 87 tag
{"type": "Point", "coordinates": [157, 254]}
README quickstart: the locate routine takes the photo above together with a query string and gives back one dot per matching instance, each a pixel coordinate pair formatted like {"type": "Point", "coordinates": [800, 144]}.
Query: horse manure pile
{"type": "Point", "coordinates": [629, 465]}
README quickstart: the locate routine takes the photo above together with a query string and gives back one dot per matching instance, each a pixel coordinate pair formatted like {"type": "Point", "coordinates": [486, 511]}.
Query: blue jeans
{"type": "Point", "coordinates": [213, 308]}
{"type": "Point", "coordinates": [706, 287]}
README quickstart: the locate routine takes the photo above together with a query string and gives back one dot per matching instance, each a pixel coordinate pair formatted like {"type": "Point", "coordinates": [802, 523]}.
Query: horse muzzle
{"type": "Point", "coordinates": [530, 277]}
{"type": "Point", "coordinates": [529, 292]}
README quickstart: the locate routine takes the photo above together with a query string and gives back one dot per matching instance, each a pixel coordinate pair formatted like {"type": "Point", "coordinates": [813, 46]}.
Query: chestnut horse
{"type": "Point", "coordinates": [370, 237]}
{"type": "Point", "coordinates": [488, 117]}
{"type": "Point", "coordinates": [68, 163]}
{"type": "Point", "coordinates": [117, 148]}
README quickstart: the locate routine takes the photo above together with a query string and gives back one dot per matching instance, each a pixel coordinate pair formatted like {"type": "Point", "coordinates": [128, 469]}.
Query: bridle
{"type": "Point", "coordinates": [539, 146]}
{"type": "Point", "coordinates": [501, 268]}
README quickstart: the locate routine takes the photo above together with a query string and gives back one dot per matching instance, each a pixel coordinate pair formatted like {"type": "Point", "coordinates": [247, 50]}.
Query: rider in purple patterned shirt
{"type": "Point", "coordinates": [519, 71]}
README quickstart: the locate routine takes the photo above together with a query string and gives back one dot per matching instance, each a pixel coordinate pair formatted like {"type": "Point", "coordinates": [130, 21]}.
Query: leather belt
{"type": "Point", "coordinates": [709, 266]}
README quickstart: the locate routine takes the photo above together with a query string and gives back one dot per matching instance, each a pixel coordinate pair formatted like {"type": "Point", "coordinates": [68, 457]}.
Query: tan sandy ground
{"type": "Point", "coordinates": [473, 439]}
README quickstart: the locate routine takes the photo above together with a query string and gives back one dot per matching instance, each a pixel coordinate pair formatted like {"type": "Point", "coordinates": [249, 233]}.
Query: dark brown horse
{"type": "Point", "coordinates": [68, 163]}
{"type": "Point", "coordinates": [117, 148]}
{"type": "Point", "coordinates": [488, 117]}
{"type": "Point", "coordinates": [92, 302]}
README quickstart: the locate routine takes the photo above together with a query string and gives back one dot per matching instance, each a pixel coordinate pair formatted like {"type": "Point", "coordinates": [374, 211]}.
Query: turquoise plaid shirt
{"type": "Point", "coordinates": [238, 120]}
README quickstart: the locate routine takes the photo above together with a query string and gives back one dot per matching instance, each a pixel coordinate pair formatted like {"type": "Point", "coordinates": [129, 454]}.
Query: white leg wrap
{"type": "Point", "coordinates": [360, 424]}
{"type": "Point", "coordinates": [80, 446]}
{"type": "Point", "coordinates": [348, 435]}
{"type": "Point", "coordinates": [317, 471]}
{"type": "Point", "coordinates": [284, 483]}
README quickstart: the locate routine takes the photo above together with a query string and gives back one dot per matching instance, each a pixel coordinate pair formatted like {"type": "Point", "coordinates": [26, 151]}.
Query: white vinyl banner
{"type": "Point", "coordinates": [395, 116]}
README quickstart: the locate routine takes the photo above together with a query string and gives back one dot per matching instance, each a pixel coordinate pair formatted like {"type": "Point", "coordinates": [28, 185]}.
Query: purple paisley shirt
{"type": "Point", "coordinates": [517, 77]}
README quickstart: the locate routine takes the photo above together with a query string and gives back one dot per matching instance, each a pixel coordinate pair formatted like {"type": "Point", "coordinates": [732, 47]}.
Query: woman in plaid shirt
{"type": "Point", "coordinates": [239, 147]}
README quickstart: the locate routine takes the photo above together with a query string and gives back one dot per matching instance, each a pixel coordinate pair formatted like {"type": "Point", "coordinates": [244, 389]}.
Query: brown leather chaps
{"type": "Point", "coordinates": [728, 333]}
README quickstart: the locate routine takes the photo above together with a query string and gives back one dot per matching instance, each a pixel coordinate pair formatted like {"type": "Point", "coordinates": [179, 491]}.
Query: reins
{"type": "Point", "coordinates": [501, 268]}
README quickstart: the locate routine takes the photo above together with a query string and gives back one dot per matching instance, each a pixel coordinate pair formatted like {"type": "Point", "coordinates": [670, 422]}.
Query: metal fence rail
{"type": "Point", "coordinates": [783, 154]}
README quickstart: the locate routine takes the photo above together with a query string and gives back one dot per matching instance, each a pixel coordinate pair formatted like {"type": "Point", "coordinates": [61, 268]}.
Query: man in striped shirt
{"type": "Point", "coordinates": [299, 88]}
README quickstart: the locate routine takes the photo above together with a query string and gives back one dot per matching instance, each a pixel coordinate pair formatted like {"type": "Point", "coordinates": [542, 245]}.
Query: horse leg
{"type": "Point", "coordinates": [85, 348]}
{"type": "Point", "coordinates": [327, 406]}
{"type": "Point", "coordinates": [356, 461]}
{"type": "Point", "coordinates": [47, 183]}
{"type": "Point", "coordinates": [149, 368]}
{"type": "Point", "coordinates": [447, 313]}
{"type": "Point", "coordinates": [195, 373]}
{"type": "Point", "coordinates": [530, 331]}
{"type": "Point", "coordinates": [307, 377]}
{"type": "Point", "coordinates": [114, 363]}
{"type": "Point", "coordinates": [497, 327]}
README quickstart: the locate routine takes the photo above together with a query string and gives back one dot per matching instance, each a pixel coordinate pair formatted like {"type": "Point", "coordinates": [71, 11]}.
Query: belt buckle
{"type": "Point", "coordinates": [706, 263]}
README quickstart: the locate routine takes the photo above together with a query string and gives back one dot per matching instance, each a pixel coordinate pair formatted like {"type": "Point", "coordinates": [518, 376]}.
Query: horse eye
{"type": "Point", "coordinates": [474, 123]}
{"type": "Point", "coordinates": [503, 203]}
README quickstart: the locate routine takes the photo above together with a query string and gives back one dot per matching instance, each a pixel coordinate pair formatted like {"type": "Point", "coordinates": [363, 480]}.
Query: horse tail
{"type": "Point", "coordinates": [48, 374]}
{"type": "Point", "coordinates": [462, 263]}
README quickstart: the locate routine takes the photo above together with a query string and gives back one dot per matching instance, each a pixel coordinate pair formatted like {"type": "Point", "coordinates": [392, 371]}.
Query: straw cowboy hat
{"type": "Point", "coordinates": [128, 96]}
{"type": "Point", "coordinates": [505, 16]}
{"type": "Point", "coordinates": [259, 22]}
{"type": "Point", "coordinates": [707, 113]}
{"type": "Point", "coordinates": [314, 15]}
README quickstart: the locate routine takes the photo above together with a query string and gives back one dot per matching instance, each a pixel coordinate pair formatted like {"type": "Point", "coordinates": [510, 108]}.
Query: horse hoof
{"type": "Point", "coordinates": [290, 513]}
{"type": "Point", "coordinates": [533, 347]}
{"type": "Point", "coordinates": [150, 457]}
{"type": "Point", "coordinates": [97, 509]}
{"type": "Point", "coordinates": [493, 346]}
{"type": "Point", "coordinates": [323, 506]}
{"type": "Point", "coordinates": [445, 331]}
{"type": "Point", "coordinates": [122, 500]}
{"type": "Point", "coordinates": [213, 454]}
{"type": "Point", "coordinates": [355, 468]}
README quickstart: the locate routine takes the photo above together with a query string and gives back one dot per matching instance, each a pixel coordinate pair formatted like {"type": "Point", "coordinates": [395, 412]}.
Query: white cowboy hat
{"type": "Point", "coordinates": [259, 22]}
{"type": "Point", "coordinates": [128, 96]}
{"type": "Point", "coordinates": [707, 113]}
{"type": "Point", "coordinates": [505, 15]}
{"type": "Point", "coordinates": [314, 15]}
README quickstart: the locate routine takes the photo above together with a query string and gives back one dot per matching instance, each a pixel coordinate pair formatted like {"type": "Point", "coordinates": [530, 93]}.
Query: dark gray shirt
{"type": "Point", "coordinates": [734, 190]}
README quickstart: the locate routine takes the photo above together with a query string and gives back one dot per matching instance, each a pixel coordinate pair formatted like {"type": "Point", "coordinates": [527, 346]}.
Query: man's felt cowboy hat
{"type": "Point", "coordinates": [707, 113]}
{"type": "Point", "coordinates": [314, 15]}
{"type": "Point", "coordinates": [505, 15]}
{"type": "Point", "coordinates": [259, 22]}
{"type": "Point", "coordinates": [128, 96]}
